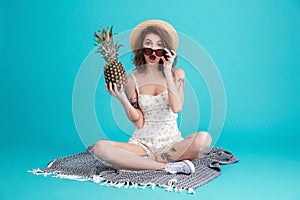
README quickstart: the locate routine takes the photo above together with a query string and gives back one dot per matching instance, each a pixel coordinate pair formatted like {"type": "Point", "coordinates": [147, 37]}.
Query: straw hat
{"type": "Point", "coordinates": [135, 33]}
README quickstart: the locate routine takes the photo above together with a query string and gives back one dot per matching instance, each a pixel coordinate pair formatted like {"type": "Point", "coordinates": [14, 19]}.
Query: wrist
{"type": "Point", "coordinates": [168, 74]}
{"type": "Point", "coordinates": [168, 70]}
{"type": "Point", "coordinates": [122, 97]}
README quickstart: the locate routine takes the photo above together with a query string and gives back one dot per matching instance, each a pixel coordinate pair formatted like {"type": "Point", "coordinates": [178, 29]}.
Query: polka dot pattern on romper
{"type": "Point", "coordinates": [160, 130]}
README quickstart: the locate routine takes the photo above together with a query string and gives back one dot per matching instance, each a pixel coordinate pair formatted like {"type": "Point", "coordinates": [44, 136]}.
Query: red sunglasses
{"type": "Point", "coordinates": [158, 52]}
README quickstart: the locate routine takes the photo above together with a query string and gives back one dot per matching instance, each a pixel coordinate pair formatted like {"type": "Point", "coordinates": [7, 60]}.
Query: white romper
{"type": "Point", "coordinates": [160, 130]}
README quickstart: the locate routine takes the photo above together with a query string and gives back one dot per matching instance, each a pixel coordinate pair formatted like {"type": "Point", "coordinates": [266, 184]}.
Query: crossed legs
{"type": "Point", "coordinates": [188, 149]}
{"type": "Point", "coordinates": [130, 156]}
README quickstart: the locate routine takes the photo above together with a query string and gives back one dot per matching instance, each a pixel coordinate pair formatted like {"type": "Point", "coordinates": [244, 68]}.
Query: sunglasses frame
{"type": "Point", "coordinates": [158, 52]}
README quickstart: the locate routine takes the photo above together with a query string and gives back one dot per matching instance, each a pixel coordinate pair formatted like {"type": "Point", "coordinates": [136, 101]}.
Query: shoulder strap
{"type": "Point", "coordinates": [136, 85]}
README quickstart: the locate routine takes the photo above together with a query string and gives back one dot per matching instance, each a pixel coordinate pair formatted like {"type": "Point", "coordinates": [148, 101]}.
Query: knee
{"type": "Point", "coordinates": [201, 142]}
{"type": "Point", "coordinates": [101, 149]}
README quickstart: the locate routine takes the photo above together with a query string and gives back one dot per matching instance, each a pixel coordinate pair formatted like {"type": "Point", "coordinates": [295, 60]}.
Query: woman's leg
{"type": "Point", "coordinates": [188, 149]}
{"type": "Point", "coordinates": [125, 155]}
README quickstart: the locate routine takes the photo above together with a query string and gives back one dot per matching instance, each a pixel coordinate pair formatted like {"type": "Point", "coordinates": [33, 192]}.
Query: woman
{"type": "Point", "coordinates": [152, 98]}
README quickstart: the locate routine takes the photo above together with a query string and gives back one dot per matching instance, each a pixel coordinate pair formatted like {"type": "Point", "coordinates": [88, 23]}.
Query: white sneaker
{"type": "Point", "coordinates": [184, 166]}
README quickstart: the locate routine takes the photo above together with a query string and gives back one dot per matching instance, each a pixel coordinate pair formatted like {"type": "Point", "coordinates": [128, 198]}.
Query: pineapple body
{"type": "Point", "coordinates": [113, 71]}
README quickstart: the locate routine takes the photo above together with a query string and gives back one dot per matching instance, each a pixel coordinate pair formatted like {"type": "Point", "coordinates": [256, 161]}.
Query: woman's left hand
{"type": "Point", "coordinates": [168, 62]}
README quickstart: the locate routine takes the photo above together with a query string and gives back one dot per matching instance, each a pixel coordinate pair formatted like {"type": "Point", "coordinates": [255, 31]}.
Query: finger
{"type": "Point", "coordinates": [106, 87]}
{"type": "Point", "coordinates": [168, 53]}
{"type": "Point", "coordinates": [163, 59]}
{"type": "Point", "coordinates": [167, 50]}
{"type": "Point", "coordinates": [110, 87]}
{"type": "Point", "coordinates": [115, 87]}
{"type": "Point", "coordinates": [173, 53]}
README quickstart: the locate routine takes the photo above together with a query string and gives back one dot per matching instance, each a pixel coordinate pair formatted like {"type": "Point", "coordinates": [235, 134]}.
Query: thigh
{"type": "Point", "coordinates": [133, 148]}
{"type": "Point", "coordinates": [180, 149]}
{"type": "Point", "coordinates": [177, 151]}
{"type": "Point", "coordinates": [193, 146]}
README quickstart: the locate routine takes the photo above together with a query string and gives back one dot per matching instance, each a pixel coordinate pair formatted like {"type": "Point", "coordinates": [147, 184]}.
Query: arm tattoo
{"type": "Point", "coordinates": [181, 82]}
{"type": "Point", "coordinates": [134, 102]}
{"type": "Point", "coordinates": [135, 105]}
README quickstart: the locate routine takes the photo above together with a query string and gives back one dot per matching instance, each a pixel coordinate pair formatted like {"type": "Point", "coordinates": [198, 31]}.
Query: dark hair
{"type": "Point", "coordinates": [139, 59]}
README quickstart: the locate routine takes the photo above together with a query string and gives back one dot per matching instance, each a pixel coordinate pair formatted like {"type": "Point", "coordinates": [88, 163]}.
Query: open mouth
{"type": "Point", "coordinates": [152, 57]}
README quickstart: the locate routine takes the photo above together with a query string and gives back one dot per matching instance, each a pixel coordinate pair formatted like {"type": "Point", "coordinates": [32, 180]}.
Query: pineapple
{"type": "Point", "coordinates": [113, 71]}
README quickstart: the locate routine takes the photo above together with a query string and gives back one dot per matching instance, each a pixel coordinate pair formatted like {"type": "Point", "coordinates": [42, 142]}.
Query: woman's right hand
{"type": "Point", "coordinates": [119, 94]}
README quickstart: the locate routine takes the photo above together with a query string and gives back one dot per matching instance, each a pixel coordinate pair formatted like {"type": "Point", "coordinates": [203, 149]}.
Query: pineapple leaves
{"type": "Point", "coordinates": [110, 32]}
{"type": "Point", "coordinates": [114, 70]}
{"type": "Point", "coordinates": [104, 39]}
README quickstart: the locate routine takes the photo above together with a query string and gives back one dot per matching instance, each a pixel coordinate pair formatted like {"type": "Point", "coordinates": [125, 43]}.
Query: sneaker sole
{"type": "Point", "coordinates": [190, 165]}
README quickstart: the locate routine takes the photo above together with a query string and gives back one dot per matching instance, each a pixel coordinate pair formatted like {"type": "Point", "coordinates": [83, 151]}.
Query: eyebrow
{"type": "Point", "coordinates": [152, 41]}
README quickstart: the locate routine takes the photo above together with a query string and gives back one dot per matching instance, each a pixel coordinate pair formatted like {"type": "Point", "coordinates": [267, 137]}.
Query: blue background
{"type": "Point", "coordinates": [255, 45]}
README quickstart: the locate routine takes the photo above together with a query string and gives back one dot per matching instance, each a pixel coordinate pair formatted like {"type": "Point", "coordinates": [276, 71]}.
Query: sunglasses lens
{"type": "Point", "coordinates": [159, 52]}
{"type": "Point", "coordinates": [148, 51]}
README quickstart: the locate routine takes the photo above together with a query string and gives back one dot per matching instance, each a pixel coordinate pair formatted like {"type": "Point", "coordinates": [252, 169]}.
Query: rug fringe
{"type": "Point", "coordinates": [170, 185]}
{"type": "Point", "coordinates": [57, 175]}
{"type": "Point", "coordinates": [127, 184]}
{"type": "Point", "coordinates": [191, 191]}
{"type": "Point", "coordinates": [72, 177]}
{"type": "Point", "coordinates": [38, 172]}
{"type": "Point", "coordinates": [178, 189]}
{"type": "Point", "coordinates": [119, 185]}
{"type": "Point", "coordinates": [153, 186]}
{"type": "Point", "coordinates": [98, 179]}
{"type": "Point", "coordinates": [144, 186]}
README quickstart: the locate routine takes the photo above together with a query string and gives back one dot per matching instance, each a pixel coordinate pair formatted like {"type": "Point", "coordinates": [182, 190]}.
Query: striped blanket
{"type": "Point", "coordinates": [85, 167]}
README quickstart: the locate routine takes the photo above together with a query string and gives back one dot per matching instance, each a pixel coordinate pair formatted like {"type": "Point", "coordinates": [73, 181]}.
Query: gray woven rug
{"type": "Point", "coordinates": [85, 167]}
